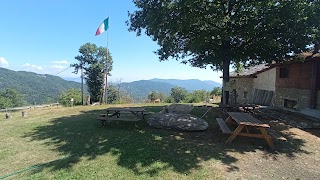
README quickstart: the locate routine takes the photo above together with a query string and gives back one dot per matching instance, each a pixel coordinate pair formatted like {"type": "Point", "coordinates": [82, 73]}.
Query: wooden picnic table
{"type": "Point", "coordinates": [116, 112]}
{"type": "Point", "coordinates": [244, 121]}
{"type": "Point", "coordinates": [244, 107]}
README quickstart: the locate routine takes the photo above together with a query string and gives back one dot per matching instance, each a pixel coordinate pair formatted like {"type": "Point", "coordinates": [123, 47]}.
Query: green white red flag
{"type": "Point", "coordinates": [103, 27]}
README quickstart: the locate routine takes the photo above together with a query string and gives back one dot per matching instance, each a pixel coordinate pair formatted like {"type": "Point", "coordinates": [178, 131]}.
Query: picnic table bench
{"type": "Point", "coordinates": [244, 121]}
{"type": "Point", "coordinates": [138, 113]}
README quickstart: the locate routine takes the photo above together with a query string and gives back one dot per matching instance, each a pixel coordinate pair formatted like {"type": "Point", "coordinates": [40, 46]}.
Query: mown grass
{"type": "Point", "coordinates": [69, 143]}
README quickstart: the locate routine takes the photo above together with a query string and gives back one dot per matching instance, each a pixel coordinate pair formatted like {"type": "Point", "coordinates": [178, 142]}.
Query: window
{"type": "Point", "coordinates": [288, 103]}
{"type": "Point", "coordinates": [245, 95]}
{"type": "Point", "coordinates": [284, 72]}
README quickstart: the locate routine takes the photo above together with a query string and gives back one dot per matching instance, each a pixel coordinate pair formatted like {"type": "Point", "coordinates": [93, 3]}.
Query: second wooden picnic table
{"type": "Point", "coordinates": [116, 112]}
{"type": "Point", "coordinates": [245, 121]}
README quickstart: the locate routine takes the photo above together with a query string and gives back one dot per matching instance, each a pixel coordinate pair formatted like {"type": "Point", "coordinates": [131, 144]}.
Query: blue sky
{"type": "Point", "coordinates": [45, 36]}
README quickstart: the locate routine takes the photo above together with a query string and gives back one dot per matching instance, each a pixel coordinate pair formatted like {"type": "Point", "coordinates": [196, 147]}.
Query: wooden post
{"type": "Point", "coordinates": [24, 114]}
{"type": "Point", "coordinates": [88, 100]}
{"type": "Point", "coordinates": [8, 115]}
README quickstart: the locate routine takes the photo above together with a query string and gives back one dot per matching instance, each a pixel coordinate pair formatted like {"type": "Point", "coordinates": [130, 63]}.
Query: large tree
{"type": "Point", "coordinates": [93, 60]}
{"type": "Point", "coordinates": [217, 33]}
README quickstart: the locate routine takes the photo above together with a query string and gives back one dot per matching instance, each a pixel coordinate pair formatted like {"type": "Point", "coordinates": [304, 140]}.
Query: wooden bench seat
{"type": "Point", "coordinates": [276, 135]}
{"type": "Point", "coordinates": [223, 126]}
{"type": "Point", "coordinates": [118, 119]}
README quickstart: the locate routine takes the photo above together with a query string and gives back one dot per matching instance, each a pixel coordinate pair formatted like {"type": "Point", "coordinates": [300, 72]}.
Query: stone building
{"type": "Point", "coordinates": [294, 85]}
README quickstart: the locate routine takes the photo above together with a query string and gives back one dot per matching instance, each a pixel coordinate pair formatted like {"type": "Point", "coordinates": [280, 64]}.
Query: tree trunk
{"type": "Point", "coordinates": [226, 78]}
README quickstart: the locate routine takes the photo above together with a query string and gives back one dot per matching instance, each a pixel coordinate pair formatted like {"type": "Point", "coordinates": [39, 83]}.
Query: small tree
{"type": "Point", "coordinates": [169, 99]}
{"type": "Point", "coordinates": [74, 94]}
{"type": "Point", "coordinates": [178, 94]}
{"type": "Point", "coordinates": [217, 91]}
{"type": "Point", "coordinates": [161, 96]}
{"type": "Point", "coordinates": [113, 95]}
{"type": "Point", "coordinates": [153, 95]}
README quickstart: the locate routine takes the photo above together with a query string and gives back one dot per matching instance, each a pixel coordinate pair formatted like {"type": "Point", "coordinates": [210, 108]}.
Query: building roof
{"type": "Point", "coordinates": [309, 55]}
{"type": "Point", "coordinates": [254, 70]}
{"type": "Point", "coordinates": [250, 71]}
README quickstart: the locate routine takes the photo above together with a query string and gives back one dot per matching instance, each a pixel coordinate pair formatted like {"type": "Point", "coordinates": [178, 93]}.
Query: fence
{"type": "Point", "coordinates": [29, 107]}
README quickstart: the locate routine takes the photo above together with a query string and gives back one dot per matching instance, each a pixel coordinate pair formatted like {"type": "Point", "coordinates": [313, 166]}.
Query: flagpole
{"type": "Point", "coordinates": [106, 85]}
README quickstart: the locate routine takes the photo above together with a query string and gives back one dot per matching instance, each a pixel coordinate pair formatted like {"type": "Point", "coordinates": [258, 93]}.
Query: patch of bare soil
{"type": "Point", "coordinates": [296, 158]}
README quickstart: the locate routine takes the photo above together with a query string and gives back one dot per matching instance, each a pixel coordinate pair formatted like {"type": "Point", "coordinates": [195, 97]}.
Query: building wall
{"type": "Point", "coordinates": [238, 87]}
{"type": "Point", "coordinates": [244, 85]}
{"type": "Point", "coordinates": [299, 76]}
{"type": "Point", "coordinates": [296, 86]}
{"type": "Point", "coordinates": [302, 96]}
{"type": "Point", "coordinates": [266, 80]}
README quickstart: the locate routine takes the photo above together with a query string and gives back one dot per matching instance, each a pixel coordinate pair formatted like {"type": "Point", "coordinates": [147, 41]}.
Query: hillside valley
{"type": "Point", "coordinates": [44, 88]}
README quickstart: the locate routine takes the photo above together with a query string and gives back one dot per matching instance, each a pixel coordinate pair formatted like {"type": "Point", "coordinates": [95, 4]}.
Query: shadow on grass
{"type": "Point", "coordinates": [140, 148]}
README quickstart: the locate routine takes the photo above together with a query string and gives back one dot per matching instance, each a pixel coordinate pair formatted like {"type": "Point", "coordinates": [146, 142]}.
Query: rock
{"type": "Point", "coordinates": [177, 121]}
{"type": "Point", "coordinates": [178, 108]}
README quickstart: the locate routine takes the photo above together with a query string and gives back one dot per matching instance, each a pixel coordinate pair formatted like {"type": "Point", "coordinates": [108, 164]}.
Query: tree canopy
{"type": "Point", "coordinates": [206, 32]}
{"type": "Point", "coordinates": [92, 60]}
{"type": "Point", "coordinates": [223, 32]}
{"type": "Point", "coordinates": [11, 98]}
{"type": "Point", "coordinates": [178, 94]}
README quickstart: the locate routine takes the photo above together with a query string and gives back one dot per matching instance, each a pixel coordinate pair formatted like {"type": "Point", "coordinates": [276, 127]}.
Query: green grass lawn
{"type": "Point", "coordinates": [69, 143]}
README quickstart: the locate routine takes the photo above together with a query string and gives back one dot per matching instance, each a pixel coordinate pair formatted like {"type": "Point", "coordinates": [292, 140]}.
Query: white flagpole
{"type": "Point", "coordinates": [106, 85]}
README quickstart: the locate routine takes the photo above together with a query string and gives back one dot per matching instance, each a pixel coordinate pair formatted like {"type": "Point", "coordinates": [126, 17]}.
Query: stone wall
{"type": "Point", "coordinates": [238, 88]}
{"type": "Point", "coordinates": [302, 96]}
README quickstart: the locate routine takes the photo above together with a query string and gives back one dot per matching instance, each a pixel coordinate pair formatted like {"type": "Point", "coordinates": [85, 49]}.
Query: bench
{"type": "Point", "coordinates": [276, 135]}
{"type": "Point", "coordinates": [223, 126]}
{"type": "Point", "coordinates": [104, 118]}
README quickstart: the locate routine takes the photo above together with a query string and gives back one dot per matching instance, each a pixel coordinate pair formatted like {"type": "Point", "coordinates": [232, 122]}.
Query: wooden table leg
{"type": "Point", "coordinates": [235, 133]}
{"type": "Point", "coordinates": [267, 137]}
{"type": "Point", "coordinates": [229, 119]}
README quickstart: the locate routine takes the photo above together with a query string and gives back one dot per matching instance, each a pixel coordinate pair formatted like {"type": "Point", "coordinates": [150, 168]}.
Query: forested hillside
{"type": "Point", "coordinates": [40, 88]}
{"type": "Point", "coordinates": [139, 90]}
{"type": "Point", "coordinates": [36, 88]}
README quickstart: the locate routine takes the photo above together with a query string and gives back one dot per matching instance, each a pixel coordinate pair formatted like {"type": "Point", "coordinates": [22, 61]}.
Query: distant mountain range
{"type": "Point", "coordinates": [190, 84]}
{"type": "Point", "coordinates": [36, 88]}
{"type": "Point", "coordinates": [44, 88]}
{"type": "Point", "coordinates": [139, 89]}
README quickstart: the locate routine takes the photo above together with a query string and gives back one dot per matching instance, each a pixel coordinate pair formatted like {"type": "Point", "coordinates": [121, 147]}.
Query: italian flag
{"type": "Point", "coordinates": [103, 27]}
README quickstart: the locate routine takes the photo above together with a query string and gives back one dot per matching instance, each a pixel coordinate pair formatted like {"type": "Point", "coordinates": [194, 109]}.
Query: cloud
{"type": "Point", "coordinates": [3, 62]}
{"type": "Point", "coordinates": [32, 67]}
{"type": "Point", "coordinates": [60, 62]}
